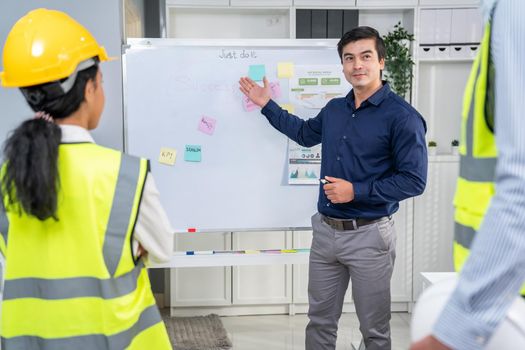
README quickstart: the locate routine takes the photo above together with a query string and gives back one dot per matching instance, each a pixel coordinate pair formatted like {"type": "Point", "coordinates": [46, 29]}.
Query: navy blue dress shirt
{"type": "Point", "coordinates": [379, 147]}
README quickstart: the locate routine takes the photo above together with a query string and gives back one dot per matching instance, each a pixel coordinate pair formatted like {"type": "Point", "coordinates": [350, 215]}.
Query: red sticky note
{"type": "Point", "coordinates": [192, 229]}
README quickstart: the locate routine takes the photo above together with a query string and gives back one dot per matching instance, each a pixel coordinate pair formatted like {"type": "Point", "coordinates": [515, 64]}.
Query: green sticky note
{"type": "Point", "coordinates": [192, 153]}
{"type": "Point", "coordinates": [257, 72]}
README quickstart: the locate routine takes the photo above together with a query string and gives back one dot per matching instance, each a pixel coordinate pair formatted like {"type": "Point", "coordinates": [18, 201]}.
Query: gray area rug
{"type": "Point", "coordinates": [197, 333]}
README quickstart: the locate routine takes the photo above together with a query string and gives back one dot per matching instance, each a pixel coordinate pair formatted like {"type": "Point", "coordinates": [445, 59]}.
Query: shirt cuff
{"type": "Point", "coordinates": [459, 329]}
{"type": "Point", "coordinates": [271, 108]}
{"type": "Point", "coordinates": [360, 191]}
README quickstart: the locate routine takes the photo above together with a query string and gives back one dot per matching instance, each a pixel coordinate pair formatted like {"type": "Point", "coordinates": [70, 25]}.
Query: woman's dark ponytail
{"type": "Point", "coordinates": [31, 174]}
{"type": "Point", "coordinates": [30, 179]}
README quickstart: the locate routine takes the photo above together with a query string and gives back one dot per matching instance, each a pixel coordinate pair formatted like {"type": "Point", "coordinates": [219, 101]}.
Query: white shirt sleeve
{"type": "Point", "coordinates": [153, 230]}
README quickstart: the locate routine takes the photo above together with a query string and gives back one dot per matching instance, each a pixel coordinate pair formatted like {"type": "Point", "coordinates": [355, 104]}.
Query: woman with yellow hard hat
{"type": "Point", "coordinates": [77, 220]}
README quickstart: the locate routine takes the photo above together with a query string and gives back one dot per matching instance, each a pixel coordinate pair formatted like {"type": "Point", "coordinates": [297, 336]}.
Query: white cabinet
{"type": "Point", "coordinates": [270, 284]}
{"type": "Point", "coordinates": [197, 2]}
{"type": "Point", "coordinates": [259, 3]}
{"type": "Point", "coordinates": [466, 26]}
{"type": "Point", "coordinates": [401, 284]}
{"type": "Point", "coordinates": [439, 99]}
{"type": "Point", "coordinates": [301, 239]}
{"type": "Point", "coordinates": [325, 3]}
{"type": "Point", "coordinates": [226, 3]}
{"type": "Point", "coordinates": [201, 286]}
{"type": "Point", "coordinates": [448, 2]}
{"type": "Point", "coordinates": [386, 3]}
{"type": "Point", "coordinates": [434, 220]}
{"type": "Point", "coordinates": [228, 23]}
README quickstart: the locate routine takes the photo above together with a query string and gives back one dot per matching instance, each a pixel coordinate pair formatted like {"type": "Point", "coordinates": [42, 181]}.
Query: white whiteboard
{"type": "Point", "coordinates": [241, 182]}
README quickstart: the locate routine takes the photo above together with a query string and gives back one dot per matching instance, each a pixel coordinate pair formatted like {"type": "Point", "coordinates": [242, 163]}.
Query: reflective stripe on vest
{"type": "Point", "coordinates": [66, 288]}
{"type": "Point", "coordinates": [121, 211]}
{"type": "Point", "coordinates": [149, 317]}
{"type": "Point", "coordinates": [464, 235]}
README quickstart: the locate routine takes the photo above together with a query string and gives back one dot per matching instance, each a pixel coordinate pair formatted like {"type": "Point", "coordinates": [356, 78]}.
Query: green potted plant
{"type": "Point", "coordinates": [432, 148]}
{"type": "Point", "coordinates": [399, 63]}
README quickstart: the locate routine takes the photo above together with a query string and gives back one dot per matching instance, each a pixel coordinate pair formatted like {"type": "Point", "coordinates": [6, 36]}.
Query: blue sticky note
{"type": "Point", "coordinates": [257, 72]}
{"type": "Point", "coordinates": [192, 153]}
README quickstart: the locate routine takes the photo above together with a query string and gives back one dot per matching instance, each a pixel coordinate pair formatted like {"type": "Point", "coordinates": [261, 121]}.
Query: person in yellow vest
{"type": "Point", "coordinates": [490, 194]}
{"type": "Point", "coordinates": [77, 220]}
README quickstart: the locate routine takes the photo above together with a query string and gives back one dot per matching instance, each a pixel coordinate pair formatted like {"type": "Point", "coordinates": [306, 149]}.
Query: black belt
{"type": "Point", "coordinates": [348, 224]}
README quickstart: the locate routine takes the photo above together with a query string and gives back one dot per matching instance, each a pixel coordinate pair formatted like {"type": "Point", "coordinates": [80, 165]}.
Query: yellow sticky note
{"type": "Point", "coordinates": [289, 107]}
{"type": "Point", "coordinates": [285, 70]}
{"type": "Point", "coordinates": [167, 156]}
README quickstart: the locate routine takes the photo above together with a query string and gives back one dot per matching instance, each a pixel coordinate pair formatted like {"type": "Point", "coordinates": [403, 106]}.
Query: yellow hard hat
{"type": "Point", "coordinates": [45, 46]}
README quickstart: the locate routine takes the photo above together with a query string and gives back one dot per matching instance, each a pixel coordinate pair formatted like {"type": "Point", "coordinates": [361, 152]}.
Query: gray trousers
{"type": "Point", "coordinates": [366, 256]}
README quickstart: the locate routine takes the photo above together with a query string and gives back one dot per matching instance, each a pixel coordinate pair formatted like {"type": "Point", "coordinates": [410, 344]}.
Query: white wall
{"type": "Point", "coordinates": [103, 20]}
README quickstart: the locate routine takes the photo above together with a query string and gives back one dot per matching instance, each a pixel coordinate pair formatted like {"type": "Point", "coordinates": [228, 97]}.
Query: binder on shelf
{"type": "Point", "coordinates": [428, 23]}
{"type": "Point", "coordinates": [427, 52]}
{"type": "Point", "coordinates": [474, 25]}
{"type": "Point", "coordinates": [442, 51]}
{"type": "Point", "coordinates": [473, 51]}
{"type": "Point", "coordinates": [442, 26]}
{"type": "Point", "coordinates": [459, 51]}
{"type": "Point", "coordinates": [459, 34]}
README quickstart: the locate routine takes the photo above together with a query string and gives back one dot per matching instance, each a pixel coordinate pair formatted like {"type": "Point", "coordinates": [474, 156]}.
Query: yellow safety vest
{"type": "Point", "coordinates": [73, 283]}
{"type": "Point", "coordinates": [478, 154]}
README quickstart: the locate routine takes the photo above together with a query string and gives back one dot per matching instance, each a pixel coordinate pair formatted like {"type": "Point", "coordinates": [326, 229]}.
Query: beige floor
{"type": "Point", "coordinates": [282, 332]}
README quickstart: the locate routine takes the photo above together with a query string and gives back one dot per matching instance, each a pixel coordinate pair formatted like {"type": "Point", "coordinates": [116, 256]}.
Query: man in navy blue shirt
{"type": "Point", "coordinates": [373, 156]}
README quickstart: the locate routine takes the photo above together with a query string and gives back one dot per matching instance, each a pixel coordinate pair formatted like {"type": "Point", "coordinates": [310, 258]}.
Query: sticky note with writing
{"type": "Point", "coordinates": [167, 156]}
{"type": "Point", "coordinates": [275, 89]}
{"type": "Point", "coordinates": [248, 104]}
{"type": "Point", "coordinates": [285, 70]}
{"type": "Point", "coordinates": [257, 72]}
{"type": "Point", "coordinates": [207, 125]}
{"type": "Point", "coordinates": [192, 153]}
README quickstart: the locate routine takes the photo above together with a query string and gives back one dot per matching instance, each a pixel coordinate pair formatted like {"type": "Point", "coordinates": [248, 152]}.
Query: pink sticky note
{"type": "Point", "coordinates": [207, 125]}
{"type": "Point", "coordinates": [248, 104]}
{"type": "Point", "coordinates": [275, 88]}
